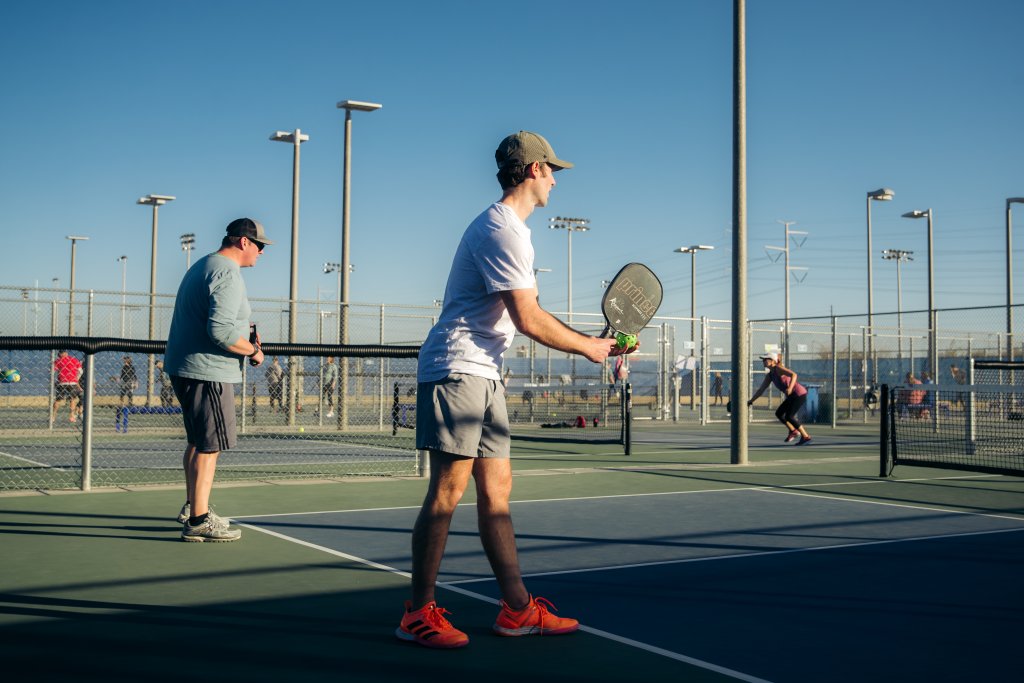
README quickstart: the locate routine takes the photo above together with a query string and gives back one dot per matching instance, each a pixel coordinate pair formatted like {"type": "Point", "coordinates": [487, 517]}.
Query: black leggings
{"type": "Point", "coordinates": [789, 408]}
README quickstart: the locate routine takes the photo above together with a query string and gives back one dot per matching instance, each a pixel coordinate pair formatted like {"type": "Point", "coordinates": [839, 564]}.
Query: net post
{"type": "Point", "coordinates": [86, 400]}
{"type": "Point", "coordinates": [422, 464]}
{"type": "Point", "coordinates": [394, 411]}
{"type": "Point", "coordinates": [627, 417]}
{"type": "Point", "coordinates": [884, 469]}
{"type": "Point", "coordinates": [970, 435]}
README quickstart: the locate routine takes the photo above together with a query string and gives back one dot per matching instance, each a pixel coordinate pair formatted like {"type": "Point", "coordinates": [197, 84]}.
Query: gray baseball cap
{"type": "Point", "coordinates": [247, 227]}
{"type": "Point", "coordinates": [525, 148]}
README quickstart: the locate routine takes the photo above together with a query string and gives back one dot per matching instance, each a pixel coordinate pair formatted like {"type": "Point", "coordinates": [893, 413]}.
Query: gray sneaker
{"type": "Point", "coordinates": [215, 529]}
{"type": "Point", "coordinates": [183, 516]}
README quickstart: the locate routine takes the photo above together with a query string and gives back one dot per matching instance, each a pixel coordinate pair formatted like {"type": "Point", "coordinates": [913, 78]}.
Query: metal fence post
{"type": "Point", "coordinates": [705, 370]}
{"type": "Point", "coordinates": [87, 423]}
{"type": "Point", "coordinates": [835, 375]}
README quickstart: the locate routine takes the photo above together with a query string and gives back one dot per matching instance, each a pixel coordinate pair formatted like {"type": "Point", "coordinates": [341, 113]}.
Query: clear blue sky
{"type": "Point", "coordinates": [104, 102]}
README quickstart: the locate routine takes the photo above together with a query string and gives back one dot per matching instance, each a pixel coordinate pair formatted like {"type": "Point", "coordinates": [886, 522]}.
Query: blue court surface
{"type": "Point", "coordinates": [756, 583]}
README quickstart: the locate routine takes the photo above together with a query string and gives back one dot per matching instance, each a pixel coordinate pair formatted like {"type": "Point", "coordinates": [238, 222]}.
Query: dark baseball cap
{"type": "Point", "coordinates": [247, 227]}
{"type": "Point", "coordinates": [525, 148]}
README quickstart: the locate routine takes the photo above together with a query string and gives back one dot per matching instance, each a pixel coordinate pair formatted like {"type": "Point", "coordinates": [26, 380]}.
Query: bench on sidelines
{"type": "Point", "coordinates": [121, 416]}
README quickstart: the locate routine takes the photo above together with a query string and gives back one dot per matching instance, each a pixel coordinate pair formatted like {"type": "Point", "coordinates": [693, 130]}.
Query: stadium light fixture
{"type": "Point", "coordinates": [933, 357]}
{"type": "Point", "coordinates": [295, 139]}
{"type": "Point", "coordinates": [356, 105]}
{"type": "Point", "coordinates": [899, 256]}
{"type": "Point", "coordinates": [570, 225]}
{"type": "Point", "coordinates": [692, 251]}
{"type": "Point", "coordinates": [156, 201]}
{"type": "Point", "coordinates": [188, 241]}
{"type": "Point", "coordinates": [343, 291]}
{"type": "Point", "coordinates": [882, 194]}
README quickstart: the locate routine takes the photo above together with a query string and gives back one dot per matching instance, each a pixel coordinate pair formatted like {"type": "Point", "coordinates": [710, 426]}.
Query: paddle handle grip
{"type": "Point", "coordinates": [252, 340]}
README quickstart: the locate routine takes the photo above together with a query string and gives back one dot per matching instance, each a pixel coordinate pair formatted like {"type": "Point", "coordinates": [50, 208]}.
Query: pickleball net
{"type": "Point", "coordinates": [295, 429]}
{"type": "Point", "coordinates": [976, 426]}
{"type": "Point", "coordinates": [298, 427]}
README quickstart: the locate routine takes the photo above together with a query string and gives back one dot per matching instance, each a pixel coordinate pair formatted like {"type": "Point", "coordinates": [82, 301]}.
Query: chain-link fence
{"type": "Point", "coordinates": [682, 372]}
{"type": "Point", "coordinates": [130, 315]}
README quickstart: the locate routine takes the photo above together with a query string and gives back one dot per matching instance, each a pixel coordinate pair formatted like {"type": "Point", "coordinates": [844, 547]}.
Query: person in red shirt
{"type": "Point", "coordinates": [67, 369]}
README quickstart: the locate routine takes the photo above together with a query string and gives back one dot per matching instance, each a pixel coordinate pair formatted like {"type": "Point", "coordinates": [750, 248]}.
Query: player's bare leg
{"type": "Point", "coordinates": [449, 475]}
{"type": "Point", "coordinates": [494, 486]}
{"type": "Point", "coordinates": [202, 468]}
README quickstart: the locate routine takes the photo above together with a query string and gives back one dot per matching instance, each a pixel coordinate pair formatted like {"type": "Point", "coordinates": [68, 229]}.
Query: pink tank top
{"type": "Point", "coordinates": [781, 382]}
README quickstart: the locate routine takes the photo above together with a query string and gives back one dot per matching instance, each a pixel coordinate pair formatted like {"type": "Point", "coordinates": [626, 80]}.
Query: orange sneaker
{"type": "Point", "coordinates": [532, 620]}
{"type": "Point", "coordinates": [428, 627]}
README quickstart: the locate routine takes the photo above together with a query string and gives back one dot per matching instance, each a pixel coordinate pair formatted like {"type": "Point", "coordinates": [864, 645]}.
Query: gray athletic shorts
{"type": "Point", "coordinates": [463, 415]}
{"type": "Point", "coordinates": [208, 409]}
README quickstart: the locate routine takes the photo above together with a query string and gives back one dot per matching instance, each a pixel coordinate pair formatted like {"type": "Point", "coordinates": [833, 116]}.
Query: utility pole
{"type": "Point", "coordinates": [785, 252]}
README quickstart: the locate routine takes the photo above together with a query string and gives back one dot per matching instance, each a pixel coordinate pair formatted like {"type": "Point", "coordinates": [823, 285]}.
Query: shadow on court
{"type": "Point", "coordinates": [781, 571]}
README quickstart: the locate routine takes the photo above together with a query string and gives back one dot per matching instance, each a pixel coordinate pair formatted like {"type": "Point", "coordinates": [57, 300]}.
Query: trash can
{"type": "Point", "coordinates": [809, 412]}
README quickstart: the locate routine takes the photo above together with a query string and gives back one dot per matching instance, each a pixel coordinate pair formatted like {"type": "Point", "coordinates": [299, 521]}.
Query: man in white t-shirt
{"type": "Point", "coordinates": [461, 418]}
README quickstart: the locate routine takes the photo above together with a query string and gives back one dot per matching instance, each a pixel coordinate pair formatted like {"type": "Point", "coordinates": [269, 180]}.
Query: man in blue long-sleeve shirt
{"type": "Point", "coordinates": [207, 344]}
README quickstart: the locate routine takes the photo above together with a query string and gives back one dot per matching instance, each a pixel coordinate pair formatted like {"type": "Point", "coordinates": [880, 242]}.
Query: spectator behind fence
{"type": "Point", "coordinates": [67, 370]}
{"type": "Point", "coordinates": [960, 377]}
{"type": "Point", "coordinates": [275, 377]}
{"type": "Point", "coordinates": [166, 390]}
{"type": "Point", "coordinates": [327, 389]}
{"type": "Point", "coordinates": [128, 382]}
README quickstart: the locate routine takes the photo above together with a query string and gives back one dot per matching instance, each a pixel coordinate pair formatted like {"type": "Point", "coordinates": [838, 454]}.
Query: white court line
{"type": "Point", "coordinates": [871, 482]}
{"type": "Point", "coordinates": [759, 553]}
{"type": "Point", "coordinates": [907, 506]}
{"type": "Point", "coordinates": [675, 451]}
{"type": "Point", "coordinates": [37, 464]}
{"type": "Point", "coordinates": [738, 675]}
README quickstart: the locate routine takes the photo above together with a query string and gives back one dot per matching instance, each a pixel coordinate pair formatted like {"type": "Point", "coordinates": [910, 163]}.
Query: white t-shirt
{"type": "Point", "coordinates": [475, 329]}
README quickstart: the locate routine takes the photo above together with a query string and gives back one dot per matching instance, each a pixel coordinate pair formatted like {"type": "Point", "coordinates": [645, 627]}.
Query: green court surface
{"type": "Point", "coordinates": [803, 565]}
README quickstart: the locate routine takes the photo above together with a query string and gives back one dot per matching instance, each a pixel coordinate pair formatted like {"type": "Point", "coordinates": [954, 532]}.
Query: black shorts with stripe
{"type": "Point", "coordinates": [208, 409]}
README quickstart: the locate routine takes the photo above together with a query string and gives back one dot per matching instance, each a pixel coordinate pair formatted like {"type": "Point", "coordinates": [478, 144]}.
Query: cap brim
{"type": "Point", "coordinates": [558, 164]}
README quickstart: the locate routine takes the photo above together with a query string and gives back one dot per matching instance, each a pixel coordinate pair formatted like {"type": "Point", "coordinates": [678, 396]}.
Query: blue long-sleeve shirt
{"type": "Point", "coordinates": [211, 313]}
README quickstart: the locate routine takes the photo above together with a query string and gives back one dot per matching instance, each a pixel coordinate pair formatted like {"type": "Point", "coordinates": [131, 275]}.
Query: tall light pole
{"type": "Point", "coordinates": [1009, 274]}
{"type": "Point", "coordinates": [692, 251]}
{"type": "Point", "coordinates": [785, 251]}
{"type": "Point", "coordinates": [188, 241]}
{"type": "Point", "coordinates": [296, 139]}
{"type": "Point", "coordinates": [124, 285]}
{"type": "Point", "coordinates": [933, 356]}
{"type": "Point", "coordinates": [156, 201]}
{"type": "Point", "coordinates": [739, 344]}
{"type": "Point", "coordinates": [343, 289]}
{"type": "Point", "coordinates": [883, 194]}
{"type": "Point", "coordinates": [533, 343]}
{"type": "Point", "coordinates": [899, 256]}
{"type": "Point", "coordinates": [71, 289]}
{"type": "Point", "coordinates": [570, 225]}
{"type": "Point", "coordinates": [335, 268]}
